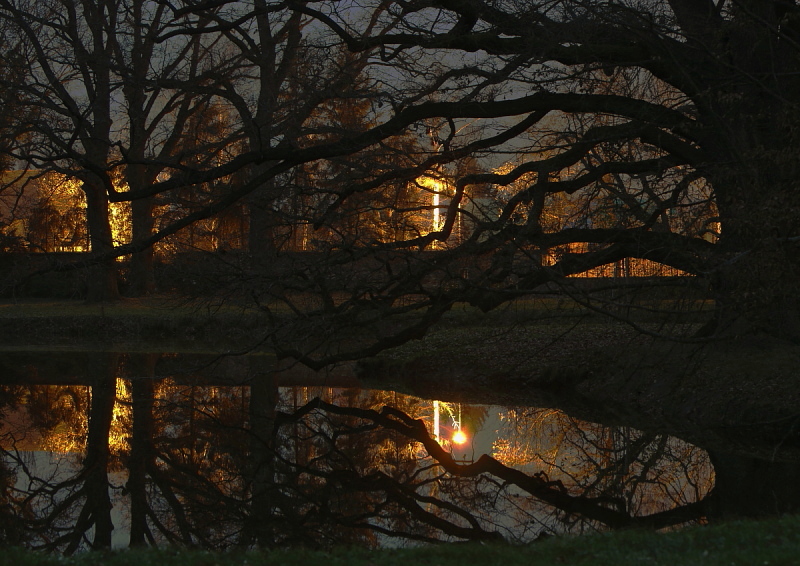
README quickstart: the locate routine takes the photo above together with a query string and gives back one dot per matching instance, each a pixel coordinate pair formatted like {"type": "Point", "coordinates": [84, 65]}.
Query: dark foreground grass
{"type": "Point", "coordinates": [771, 542]}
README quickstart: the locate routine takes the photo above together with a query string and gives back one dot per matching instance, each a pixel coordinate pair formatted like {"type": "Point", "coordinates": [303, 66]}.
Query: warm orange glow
{"type": "Point", "coordinates": [120, 431]}
{"type": "Point", "coordinates": [437, 188]}
{"type": "Point", "coordinates": [459, 437]}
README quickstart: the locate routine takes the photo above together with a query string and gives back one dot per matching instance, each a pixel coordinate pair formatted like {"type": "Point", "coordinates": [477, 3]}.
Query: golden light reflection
{"type": "Point", "coordinates": [437, 188]}
{"type": "Point", "coordinates": [453, 411]}
{"type": "Point", "coordinates": [122, 419]}
{"type": "Point", "coordinates": [67, 406]}
{"type": "Point", "coordinates": [55, 214]}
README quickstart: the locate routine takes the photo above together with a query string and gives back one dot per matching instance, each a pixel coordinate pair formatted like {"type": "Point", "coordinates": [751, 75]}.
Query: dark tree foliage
{"type": "Point", "coordinates": [504, 145]}
{"type": "Point", "coordinates": [660, 131]}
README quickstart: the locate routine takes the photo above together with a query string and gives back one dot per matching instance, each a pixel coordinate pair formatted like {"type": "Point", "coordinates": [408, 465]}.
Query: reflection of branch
{"type": "Point", "coordinates": [343, 493]}
{"type": "Point", "coordinates": [608, 511]}
{"type": "Point", "coordinates": [412, 502]}
{"type": "Point", "coordinates": [60, 514]}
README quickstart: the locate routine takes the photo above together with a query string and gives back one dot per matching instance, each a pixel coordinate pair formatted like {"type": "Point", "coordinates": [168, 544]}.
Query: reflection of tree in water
{"type": "Point", "coordinates": [209, 467]}
{"type": "Point", "coordinates": [59, 415]}
{"type": "Point", "coordinates": [644, 473]}
{"type": "Point", "coordinates": [25, 510]}
{"type": "Point", "coordinates": [255, 465]}
{"type": "Point", "coordinates": [62, 500]}
{"type": "Point", "coordinates": [313, 459]}
{"type": "Point", "coordinates": [188, 449]}
{"type": "Point", "coordinates": [486, 499]}
{"type": "Point", "coordinates": [11, 531]}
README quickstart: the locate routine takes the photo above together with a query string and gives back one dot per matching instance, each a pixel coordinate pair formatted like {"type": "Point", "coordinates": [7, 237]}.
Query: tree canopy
{"type": "Point", "coordinates": [511, 145]}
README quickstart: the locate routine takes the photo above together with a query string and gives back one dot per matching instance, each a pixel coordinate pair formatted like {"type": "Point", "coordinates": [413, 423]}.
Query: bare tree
{"type": "Point", "coordinates": [674, 137]}
{"type": "Point", "coordinates": [162, 83]}
{"type": "Point", "coordinates": [109, 98]}
{"type": "Point", "coordinates": [67, 507]}
{"type": "Point", "coordinates": [675, 141]}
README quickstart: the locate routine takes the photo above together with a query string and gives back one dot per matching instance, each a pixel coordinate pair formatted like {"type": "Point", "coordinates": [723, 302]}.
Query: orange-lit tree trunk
{"type": "Point", "coordinates": [157, 138]}
{"type": "Point", "coordinates": [102, 283]}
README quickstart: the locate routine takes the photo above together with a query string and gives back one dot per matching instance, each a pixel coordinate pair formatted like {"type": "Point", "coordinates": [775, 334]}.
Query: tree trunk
{"type": "Point", "coordinates": [759, 264]}
{"type": "Point", "coordinates": [102, 280]}
{"type": "Point", "coordinates": [102, 368]}
{"type": "Point", "coordinates": [261, 236]}
{"type": "Point", "coordinates": [142, 451]}
{"type": "Point", "coordinates": [751, 146]}
{"type": "Point", "coordinates": [748, 487]}
{"type": "Point", "coordinates": [260, 528]}
{"type": "Point", "coordinates": [142, 274]}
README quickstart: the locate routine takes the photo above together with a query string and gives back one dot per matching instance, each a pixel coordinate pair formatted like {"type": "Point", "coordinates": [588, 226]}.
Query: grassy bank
{"type": "Point", "coordinates": [775, 541]}
{"type": "Point", "coordinates": [158, 323]}
{"type": "Point", "coordinates": [182, 325]}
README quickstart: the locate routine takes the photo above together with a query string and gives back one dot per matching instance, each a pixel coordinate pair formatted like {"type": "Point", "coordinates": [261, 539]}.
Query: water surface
{"type": "Point", "coordinates": [111, 449]}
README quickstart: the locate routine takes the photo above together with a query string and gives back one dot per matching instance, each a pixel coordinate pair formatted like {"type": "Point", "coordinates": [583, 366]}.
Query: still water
{"type": "Point", "coordinates": [107, 450]}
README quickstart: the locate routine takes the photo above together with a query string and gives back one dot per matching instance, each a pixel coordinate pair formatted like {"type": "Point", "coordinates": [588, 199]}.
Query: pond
{"type": "Point", "coordinates": [118, 449]}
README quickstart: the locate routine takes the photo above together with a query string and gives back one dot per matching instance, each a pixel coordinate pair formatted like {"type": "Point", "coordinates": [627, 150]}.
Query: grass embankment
{"type": "Point", "coordinates": [742, 543]}
{"type": "Point", "coordinates": [151, 324]}
{"type": "Point", "coordinates": [176, 324]}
